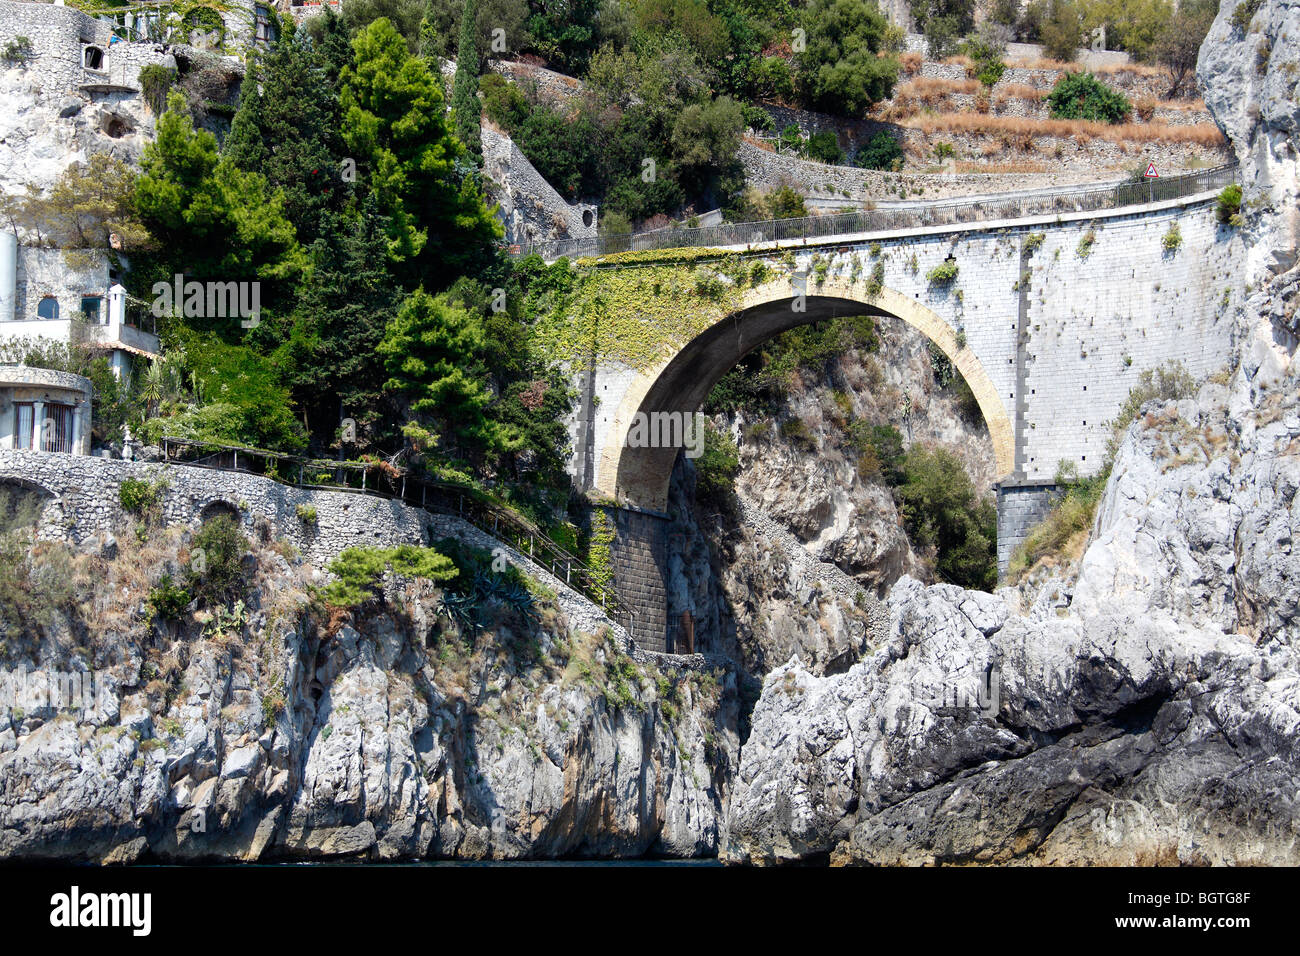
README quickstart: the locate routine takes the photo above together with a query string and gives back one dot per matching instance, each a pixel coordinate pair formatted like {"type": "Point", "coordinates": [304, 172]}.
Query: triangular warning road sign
{"type": "Point", "coordinates": [1151, 172]}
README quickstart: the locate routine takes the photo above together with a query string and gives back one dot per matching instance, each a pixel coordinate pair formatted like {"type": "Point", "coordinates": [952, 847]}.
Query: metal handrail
{"type": "Point", "coordinates": [438, 497]}
{"type": "Point", "coordinates": [939, 213]}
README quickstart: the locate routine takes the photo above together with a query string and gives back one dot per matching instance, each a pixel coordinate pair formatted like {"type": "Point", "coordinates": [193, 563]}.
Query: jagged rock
{"type": "Point", "coordinates": [1150, 720]}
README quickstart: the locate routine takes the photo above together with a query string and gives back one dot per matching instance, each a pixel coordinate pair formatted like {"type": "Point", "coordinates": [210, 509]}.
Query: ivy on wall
{"type": "Point", "coordinates": [600, 553]}
{"type": "Point", "coordinates": [639, 307]}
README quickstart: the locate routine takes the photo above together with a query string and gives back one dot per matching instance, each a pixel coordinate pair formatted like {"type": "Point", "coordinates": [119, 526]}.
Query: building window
{"type": "Point", "coordinates": [92, 58]}
{"type": "Point", "coordinates": [92, 307]}
{"type": "Point", "coordinates": [24, 415]}
{"type": "Point", "coordinates": [56, 430]}
{"type": "Point", "coordinates": [54, 433]}
{"type": "Point", "coordinates": [264, 31]}
{"type": "Point", "coordinates": [48, 308]}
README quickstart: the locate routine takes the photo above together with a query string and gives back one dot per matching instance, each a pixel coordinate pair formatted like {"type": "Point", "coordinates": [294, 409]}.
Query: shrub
{"type": "Point", "coordinates": [1081, 96]}
{"type": "Point", "coordinates": [357, 571]}
{"type": "Point", "coordinates": [795, 431]}
{"type": "Point", "coordinates": [1086, 242]}
{"type": "Point", "coordinates": [942, 36]}
{"type": "Point", "coordinates": [1244, 13]}
{"type": "Point", "coordinates": [990, 71]}
{"type": "Point", "coordinates": [214, 572]}
{"type": "Point", "coordinates": [141, 498]}
{"type": "Point", "coordinates": [716, 469]}
{"type": "Point", "coordinates": [1229, 203]}
{"type": "Point", "coordinates": [757, 118]}
{"type": "Point", "coordinates": [306, 513]}
{"type": "Point", "coordinates": [876, 284]}
{"type": "Point", "coordinates": [881, 151]}
{"type": "Point", "coordinates": [166, 601]}
{"type": "Point", "coordinates": [1060, 29]}
{"type": "Point", "coordinates": [943, 511]}
{"type": "Point", "coordinates": [884, 445]}
{"type": "Point", "coordinates": [825, 147]}
{"type": "Point", "coordinates": [1172, 239]}
{"type": "Point", "coordinates": [845, 67]}
{"type": "Point", "coordinates": [17, 50]}
{"type": "Point", "coordinates": [944, 151]}
{"type": "Point", "coordinates": [943, 274]}
{"type": "Point", "coordinates": [155, 83]}
{"type": "Point", "coordinates": [784, 203]}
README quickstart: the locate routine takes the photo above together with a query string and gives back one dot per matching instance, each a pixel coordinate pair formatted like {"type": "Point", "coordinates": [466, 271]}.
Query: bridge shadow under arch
{"type": "Point", "coordinates": [639, 476]}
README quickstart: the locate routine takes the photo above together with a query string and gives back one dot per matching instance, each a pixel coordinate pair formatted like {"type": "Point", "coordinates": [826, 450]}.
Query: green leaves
{"type": "Point", "coordinates": [359, 570]}
{"type": "Point", "coordinates": [840, 71]}
{"type": "Point", "coordinates": [1083, 96]}
{"type": "Point", "coordinates": [210, 219]}
{"type": "Point", "coordinates": [396, 128]}
{"type": "Point", "coordinates": [943, 511]}
{"type": "Point", "coordinates": [432, 350]}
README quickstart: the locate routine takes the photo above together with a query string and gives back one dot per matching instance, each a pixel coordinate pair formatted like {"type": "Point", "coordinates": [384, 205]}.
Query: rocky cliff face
{"type": "Point", "coordinates": [1138, 707]}
{"type": "Point", "coordinates": [391, 736]}
{"type": "Point", "coordinates": [1247, 73]}
{"type": "Point", "coordinates": [797, 563]}
{"type": "Point", "coordinates": [1142, 710]}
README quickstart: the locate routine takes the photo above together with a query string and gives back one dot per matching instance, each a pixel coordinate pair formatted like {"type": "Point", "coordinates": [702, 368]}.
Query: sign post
{"type": "Point", "coordinates": [1149, 176]}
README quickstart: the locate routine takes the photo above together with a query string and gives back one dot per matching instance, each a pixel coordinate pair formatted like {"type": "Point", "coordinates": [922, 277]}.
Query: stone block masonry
{"type": "Point", "coordinates": [1020, 509]}
{"type": "Point", "coordinates": [639, 555]}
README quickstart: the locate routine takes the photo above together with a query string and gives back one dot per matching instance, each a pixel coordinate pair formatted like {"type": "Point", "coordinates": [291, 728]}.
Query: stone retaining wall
{"type": "Point", "coordinates": [1020, 509]}
{"type": "Point", "coordinates": [82, 495]}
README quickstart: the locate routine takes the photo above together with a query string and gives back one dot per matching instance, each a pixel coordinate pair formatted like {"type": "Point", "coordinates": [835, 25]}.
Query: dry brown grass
{"type": "Point", "coordinates": [1016, 128]}
{"type": "Point", "coordinates": [1145, 108]}
{"type": "Point", "coordinates": [1023, 166]}
{"type": "Point", "coordinates": [1133, 69]}
{"type": "Point", "coordinates": [1021, 91]}
{"type": "Point", "coordinates": [1041, 63]}
{"type": "Point", "coordinates": [911, 63]}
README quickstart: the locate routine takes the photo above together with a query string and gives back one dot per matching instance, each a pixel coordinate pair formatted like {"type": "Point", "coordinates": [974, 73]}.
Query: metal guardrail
{"type": "Point", "coordinates": [881, 219]}
{"type": "Point", "coordinates": [447, 498]}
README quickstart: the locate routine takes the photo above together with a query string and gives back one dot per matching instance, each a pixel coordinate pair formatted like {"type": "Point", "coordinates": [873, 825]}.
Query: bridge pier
{"type": "Point", "coordinates": [1021, 506]}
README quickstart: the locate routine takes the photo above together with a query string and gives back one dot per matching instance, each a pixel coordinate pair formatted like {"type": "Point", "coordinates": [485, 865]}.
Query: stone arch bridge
{"type": "Point", "coordinates": [1050, 319]}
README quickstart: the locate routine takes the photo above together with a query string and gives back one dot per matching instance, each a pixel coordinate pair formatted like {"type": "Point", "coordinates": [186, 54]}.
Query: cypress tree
{"type": "Point", "coordinates": [464, 97]}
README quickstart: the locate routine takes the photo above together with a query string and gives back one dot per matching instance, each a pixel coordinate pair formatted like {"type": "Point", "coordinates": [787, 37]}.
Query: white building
{"type": "Point", "coordinates": [42, 295]}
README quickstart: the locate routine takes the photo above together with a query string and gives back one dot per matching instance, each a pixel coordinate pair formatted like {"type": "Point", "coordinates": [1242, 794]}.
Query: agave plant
{"type": "Point", "coordinates": [462, 609]}
{"type": "Point", "coordinates": [521, 599]}
{"type": "Point", "coordinates": [487, 586]}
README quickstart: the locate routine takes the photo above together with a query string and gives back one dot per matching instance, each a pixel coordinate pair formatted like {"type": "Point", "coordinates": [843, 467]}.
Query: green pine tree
{"type": "Point", "coordinates": [209, 219]}
{"type": "Point", "coordinates": [287, 129]}
{"type": "Point", "coordinates": [396, 128]}
{"type": "Point", "coordinates": [432, 350]}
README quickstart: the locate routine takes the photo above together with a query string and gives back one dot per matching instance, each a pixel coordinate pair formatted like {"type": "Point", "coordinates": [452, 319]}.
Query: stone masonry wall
{"type": "Point", "coordinates": [530, 208]}
{"type": "Point", "coordinates": [1020, 508]}
{"type": "Point", "coordinates": [82, 501]}
{"type": "Point", "coordinates": [639, 556]}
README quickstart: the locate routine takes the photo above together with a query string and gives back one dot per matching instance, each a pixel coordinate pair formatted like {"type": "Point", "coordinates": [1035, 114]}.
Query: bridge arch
{"type": "Point", "coordinates": [680, 383]}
